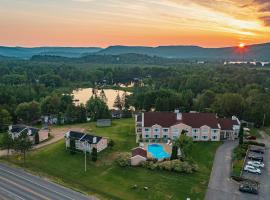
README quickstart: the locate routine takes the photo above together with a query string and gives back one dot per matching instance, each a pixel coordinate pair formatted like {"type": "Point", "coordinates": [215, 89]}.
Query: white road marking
{"type": "Point", "coordinates": [13, 194]}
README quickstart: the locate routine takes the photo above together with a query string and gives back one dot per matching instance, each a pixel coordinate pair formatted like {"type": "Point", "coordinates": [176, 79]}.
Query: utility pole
{"type": "Point", "coordinates": [264, 115]}
{"type": "Point", "coordinates": [85, 142]}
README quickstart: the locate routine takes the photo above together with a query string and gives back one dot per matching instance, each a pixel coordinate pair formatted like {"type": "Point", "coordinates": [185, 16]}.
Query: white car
{"type": "Point", "coordinates": [256, 164]}
{"type": "Point", "coordinates": [252, 169]}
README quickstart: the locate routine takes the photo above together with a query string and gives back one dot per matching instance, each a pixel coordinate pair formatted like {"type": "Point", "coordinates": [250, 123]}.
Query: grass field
{"type": "Point", "coordinates": [108, 181]}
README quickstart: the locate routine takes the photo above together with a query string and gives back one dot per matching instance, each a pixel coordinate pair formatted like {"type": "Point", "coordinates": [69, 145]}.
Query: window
{"type": "Point", "coordinates": [147, 136]}
{"type": "Point", "coordinates": [165, 130]}
{"type": "Point", "coordinates": [156, 130]}
{"type": "Point", "coordinates": [214, 131]}
{"type": "Point", "coordinates": [176, 130]}
{"type": "Point", "coordinates": [156, 136]}
{"type": "Point", "coordinates": [165, 136]}
{"type": "Point", "coordinates": [195, 137]}
{"type": "Point", "coordinates": [147, 129]}
{"type": "Point", "coordinates": [195, 130]}
{"type": "Point", "coordinates": [205, 137]}
{"type": "Point", "coordinates": [205, 130]}
{"type": "Point", "coordinates": [214, 137]}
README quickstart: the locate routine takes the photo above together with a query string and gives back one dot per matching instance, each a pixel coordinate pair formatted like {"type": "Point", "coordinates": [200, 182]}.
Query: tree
{"type": "Point", "coordinates": [97, 109]}
{"type": "Point", "coordinates": [36, 138]}
{"type": "Point", "coordinates": [5, 119]}
{"type": "Point", "coordinates": [174, 152]}
{"type": "Point", "coordinates": [125, 101]}
{"type": "Point", "coordinates": [241, 135]}
{"type": "Point", "coordinates": [7, 142]}
{"type": "Point", "coordinates": [103, 96]}
{"type": "Point", "coordinates": [185, 144]}
{"type": "Point", "coordinates": [72, 146]}
{"type": "Point", "coordinates": [111, 144]}
{"type": "Point", "coordinates": [28, 112]}
{"type": "Point", "coordinates": [23, 144]}
{"type": "Point", "coordinates": [94, 154]}
{"type": "Point", "coordinates": [118, 102]}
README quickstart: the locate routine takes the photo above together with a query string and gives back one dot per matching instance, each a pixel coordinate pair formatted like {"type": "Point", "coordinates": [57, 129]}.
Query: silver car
{"type": "Point", "coordinates": [256, 164]}
{"type": "Point", "coordinates": [252, 169]}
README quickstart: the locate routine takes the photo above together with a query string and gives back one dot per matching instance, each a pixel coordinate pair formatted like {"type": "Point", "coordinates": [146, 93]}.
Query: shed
{"type": "Point", "coordinates": [104, 122]}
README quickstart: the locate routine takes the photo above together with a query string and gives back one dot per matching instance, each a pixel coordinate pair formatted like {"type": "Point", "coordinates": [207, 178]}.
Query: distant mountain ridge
{"type": "Point", "coordinates": [260, 52]}
{"type": "Point", "coordinates": [26, 53]}
{"type": "Point", "coordinates": [257, 52]}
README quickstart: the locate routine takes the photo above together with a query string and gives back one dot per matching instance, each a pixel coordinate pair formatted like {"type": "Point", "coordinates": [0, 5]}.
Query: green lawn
{"type": "Point", "coordinates": [109, 181]}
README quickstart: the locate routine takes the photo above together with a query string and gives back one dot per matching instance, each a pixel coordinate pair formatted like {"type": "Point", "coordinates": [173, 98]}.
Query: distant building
{"type": "Point", "coordinates": [162, 126]}
{"type": "Point", "coordinates": [85, 141]}
{"type": "Point", "coordinates": [139, 155]}
{"type": "Point", "coordinates": [116, 114]}
{"type": "Point", "coordinates": [104, 122]}
{"type": "Point", "coordinates": [16, 130]}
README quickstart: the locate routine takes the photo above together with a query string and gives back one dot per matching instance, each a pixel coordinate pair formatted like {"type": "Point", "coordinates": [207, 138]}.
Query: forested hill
{"type": "Point", "coordinates": [26, 53]}
{"type": "Point", "coordinates": [130, 58]}
{"type": "Point", "coordinates": [259, 52]}
{"type": "Point", "coordinates": [253, 52]}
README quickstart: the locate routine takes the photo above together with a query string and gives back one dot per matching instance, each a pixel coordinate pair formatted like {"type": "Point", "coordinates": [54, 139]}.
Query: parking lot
{"type": "Point", "coordinates": [264, 178]}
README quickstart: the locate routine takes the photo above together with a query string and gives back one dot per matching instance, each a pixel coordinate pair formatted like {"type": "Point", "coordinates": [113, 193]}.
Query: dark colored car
{"type": "Point", "coordinates": [260, 151]}
{"type": "Point", "coordinates": [248, 188]}
{"type": "Point", "coordinates": [251, 137]}
{"type": "Point", "coordinates": [256, 158]}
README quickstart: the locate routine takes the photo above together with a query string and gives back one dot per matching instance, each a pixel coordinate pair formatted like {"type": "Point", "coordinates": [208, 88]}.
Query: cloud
{"type": "Point", "coordinates": [266, 20]}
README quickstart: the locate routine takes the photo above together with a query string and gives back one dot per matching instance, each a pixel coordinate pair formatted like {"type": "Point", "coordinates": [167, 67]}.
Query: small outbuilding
{"type": "Point", "coordinates": [139, 155]}
{"type": "Point", "coordinates": [104, 122]}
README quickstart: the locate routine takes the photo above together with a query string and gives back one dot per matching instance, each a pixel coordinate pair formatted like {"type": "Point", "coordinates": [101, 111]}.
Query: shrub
{"type": "Point", "coordinates": [111, 144]}
{"type": "Point", "coordinates": [123, 160]}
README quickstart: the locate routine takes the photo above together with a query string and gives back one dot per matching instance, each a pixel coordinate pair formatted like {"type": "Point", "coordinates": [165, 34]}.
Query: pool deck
{"type": "Point", "coordinates": [166, 147]}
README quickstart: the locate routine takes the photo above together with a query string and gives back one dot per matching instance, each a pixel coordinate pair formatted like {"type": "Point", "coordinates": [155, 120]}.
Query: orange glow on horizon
{"type": "Point", "coordinates": [241, 45]}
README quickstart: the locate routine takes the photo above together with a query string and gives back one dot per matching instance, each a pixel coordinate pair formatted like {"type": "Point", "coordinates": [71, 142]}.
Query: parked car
{"type": "Point", "coordinates": [244, 187]}
{"type": "Point", "coordinates": [260, 151]}
{"type": "Point", "coordinates": [256, 158]}
{"type": "Point", "coordinates": [256, 164]}
{"type": "Point", "coordinates": [252, 169]}
{"type": "Point", "coordinates": [251, 137]}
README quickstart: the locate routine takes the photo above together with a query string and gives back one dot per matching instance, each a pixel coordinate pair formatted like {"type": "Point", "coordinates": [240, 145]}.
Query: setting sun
{"type": "Point", "coordinates": [241, 45]}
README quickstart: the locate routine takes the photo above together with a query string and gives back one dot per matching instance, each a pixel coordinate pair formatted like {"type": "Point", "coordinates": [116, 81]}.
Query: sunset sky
{"type": "Point", "coordinates": [207, 23]}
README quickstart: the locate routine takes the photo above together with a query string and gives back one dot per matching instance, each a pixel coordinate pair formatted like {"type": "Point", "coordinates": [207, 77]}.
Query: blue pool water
{"type": "Point", "coordinates": [157, 151]}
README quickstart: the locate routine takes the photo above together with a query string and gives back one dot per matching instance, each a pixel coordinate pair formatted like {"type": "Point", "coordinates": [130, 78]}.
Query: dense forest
{"type": "Point", "coordinates": [32, 88]}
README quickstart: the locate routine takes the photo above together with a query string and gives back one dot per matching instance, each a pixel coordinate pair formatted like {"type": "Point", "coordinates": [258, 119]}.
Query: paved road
{"type": "Point", "coordinates": [18, 185]}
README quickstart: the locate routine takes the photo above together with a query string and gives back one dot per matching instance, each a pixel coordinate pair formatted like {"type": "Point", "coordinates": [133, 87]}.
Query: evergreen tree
{"type": "Point", "coordinates": [118, 102]}
{"type": "Point", "coordinates": [94, 154]}
{"type": "Point", "coordinates": [5, 119]}
{"type": "Point", "coordinates": [102, 96]}
{"type": "Point", "coordinates": [174, 152]}
{"type": "Point", "coordinates": [241, 135]}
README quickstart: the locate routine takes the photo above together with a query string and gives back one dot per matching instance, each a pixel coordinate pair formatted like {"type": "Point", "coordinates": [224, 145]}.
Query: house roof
{"type": "Point", "coordinates": [19, 128]}
{"type": "Point", "coordinates": [167, 119]}
{"type": "Point", "coordinates": [84, 137]}
{"type": "Point", "coordinates": [227, 124]}
{"type": "Point", "coordinates": [138, 151]}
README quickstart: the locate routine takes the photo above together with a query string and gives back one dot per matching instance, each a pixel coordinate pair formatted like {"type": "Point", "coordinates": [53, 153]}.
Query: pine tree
{"type": "Point", "coordinates": [94, 154]}
{"type": "Point", "coordinates": [117, 102]}
{"type": "Point", "coordinates": [103, 97]}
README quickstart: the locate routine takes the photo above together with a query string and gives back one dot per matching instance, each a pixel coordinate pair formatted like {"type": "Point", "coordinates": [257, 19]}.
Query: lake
{"type": "Point", "coordinates": [83, 95]}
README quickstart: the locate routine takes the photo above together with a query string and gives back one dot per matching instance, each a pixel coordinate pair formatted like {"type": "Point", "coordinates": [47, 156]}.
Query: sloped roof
{"type": "Point", "coordinates": [19, 128]}
{"type": "Point", "coordinates": [139, 151]}
{"type": "Point", "coordinates": [167, 119]}
{"type": "Point", "coordinates": [84, 137]}
{"type": "Point", "coordinates": [227, 124]}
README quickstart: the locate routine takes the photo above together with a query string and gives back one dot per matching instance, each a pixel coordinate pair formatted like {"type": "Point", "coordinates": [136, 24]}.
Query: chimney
{"type": "Point", "coordinates": [178, 114]}
{"type": "Point", "coordinates": [94, 140]}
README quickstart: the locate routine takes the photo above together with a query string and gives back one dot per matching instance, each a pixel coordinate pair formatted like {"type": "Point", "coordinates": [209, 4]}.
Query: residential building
{"type": "Point", "coordinates": [164, 126]}
{"type": "Point", "coordinates": [16, 130]}
{"type": "Point", "coordinates": [84, 141]}
{"type": "Point", "coordinates": [139, 155]}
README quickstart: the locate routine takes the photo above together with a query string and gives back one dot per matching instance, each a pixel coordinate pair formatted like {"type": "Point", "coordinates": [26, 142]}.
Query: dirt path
{"type": "Point", "coordinates": [56, 134]}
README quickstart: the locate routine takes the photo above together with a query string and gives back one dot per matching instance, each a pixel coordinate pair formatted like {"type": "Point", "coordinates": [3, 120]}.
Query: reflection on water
{"type": "Point", "coordinates": [83, 95]}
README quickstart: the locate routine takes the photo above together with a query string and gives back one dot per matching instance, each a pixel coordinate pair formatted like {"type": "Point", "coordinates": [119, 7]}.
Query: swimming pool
{"type": "Point", "coordinates": [157, 151]}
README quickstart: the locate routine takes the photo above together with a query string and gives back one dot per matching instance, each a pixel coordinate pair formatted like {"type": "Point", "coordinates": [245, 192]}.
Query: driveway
{"type": "Point", "coordinates": [56, 133]}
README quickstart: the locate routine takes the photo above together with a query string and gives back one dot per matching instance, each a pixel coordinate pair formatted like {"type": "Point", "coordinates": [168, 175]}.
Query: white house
{"type": "Point", "coordinates": [16, 130]}
{"type": "Point", "coordinates": [85, 141]}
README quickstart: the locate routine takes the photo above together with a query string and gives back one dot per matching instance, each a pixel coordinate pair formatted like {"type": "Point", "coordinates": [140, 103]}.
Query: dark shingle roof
{"type": "Point", "coordinates": [84, 137]}
{"type": "Point", "coordinates": [227, 124]}
{"type": "Point", "coordinates": [139, 151]}
{"type": "Point", "coordinates": [20, 128]}
{"type": "Point", "coordinates": [167, 119]}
